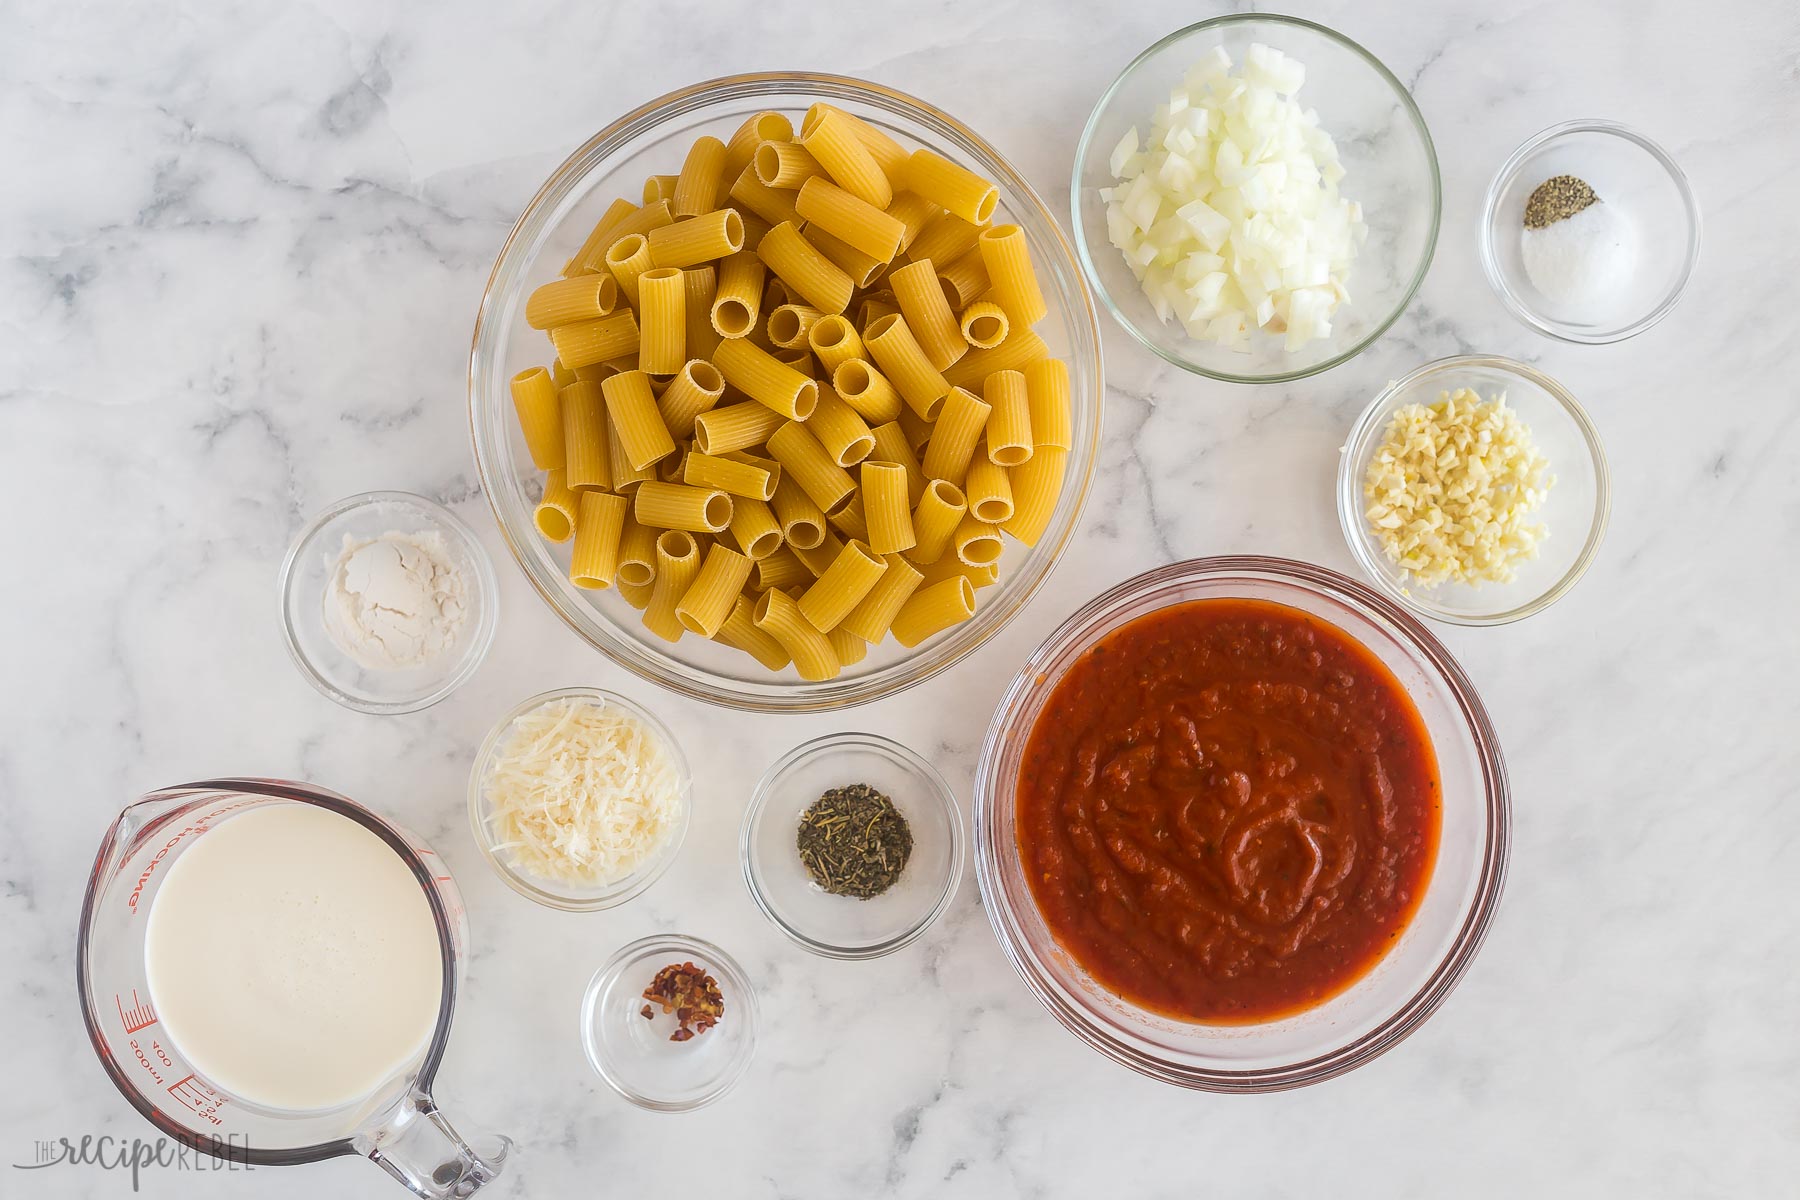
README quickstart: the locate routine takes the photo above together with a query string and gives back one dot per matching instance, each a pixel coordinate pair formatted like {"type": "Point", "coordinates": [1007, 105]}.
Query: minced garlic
{"type": "Point", "coordinates": [1450, 489]}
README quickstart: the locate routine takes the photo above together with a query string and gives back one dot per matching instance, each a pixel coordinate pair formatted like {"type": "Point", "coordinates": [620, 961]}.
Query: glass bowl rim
{"type": "Point", "coordinates": [677, 943]}
{"type": "Point", "coordinates": [1490, 258]}
{"type": "Point", "coordinates": [792, 696]}
{"type": "Point", "coordinates": [1090, 129]}
{"type": "Point", "coordinates": [815, 748]}
{"type": "Point", "coordinates": [1460, 692]}
{"type": "Point", "coordinates": [487, 582]}
{"type": "Point", "coordinates": [632, 885]}
{"type": "Point", "coordinates": [1369, 423]}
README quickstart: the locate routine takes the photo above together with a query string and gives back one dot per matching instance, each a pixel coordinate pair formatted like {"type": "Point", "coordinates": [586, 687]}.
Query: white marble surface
{"type": "Point", "coordinates": [240, 250]}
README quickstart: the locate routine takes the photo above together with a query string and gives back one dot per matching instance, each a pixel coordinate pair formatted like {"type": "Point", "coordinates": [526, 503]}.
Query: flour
{"type": "Point", "coordinates": [396, 601]}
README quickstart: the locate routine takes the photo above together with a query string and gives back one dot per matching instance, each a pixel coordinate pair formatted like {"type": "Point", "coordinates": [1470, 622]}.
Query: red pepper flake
{"type": "Point", "coordinates": [691, 994]}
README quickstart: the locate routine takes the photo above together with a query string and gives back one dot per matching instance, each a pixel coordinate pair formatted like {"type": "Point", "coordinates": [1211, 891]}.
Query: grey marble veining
{"type": "Point", "coordinates": [240, 250]}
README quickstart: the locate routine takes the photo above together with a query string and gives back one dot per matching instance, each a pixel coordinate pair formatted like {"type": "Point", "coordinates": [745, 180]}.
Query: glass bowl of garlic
{"type": "Point", "coordinates": [1432, 482]}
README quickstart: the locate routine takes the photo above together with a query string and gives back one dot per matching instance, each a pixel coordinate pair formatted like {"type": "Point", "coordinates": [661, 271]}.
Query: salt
{"type": "Point", "coordinates": [1580, 259]}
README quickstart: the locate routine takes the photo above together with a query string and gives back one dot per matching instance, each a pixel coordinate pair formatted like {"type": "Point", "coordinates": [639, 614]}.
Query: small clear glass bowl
{"type": "Point", "coordinates": [1376, 1012]}
{"type": "Point", "coordinates": [552, 893]}
{"type": "Point", "coordinates": [1575, 513]}
{"type": "Point", "coordinates": [1390, 165]}
{"type": "Point", "coordinates": [635, 1056]}
{"type": "Point", "coordinates": [306, 574]}
{"type": "Point", "coordinates": [654, 139]}
{"type": "Point", "coordinates": [1650, 192]}
{"type": "Point", "coordinates": [842, 926]}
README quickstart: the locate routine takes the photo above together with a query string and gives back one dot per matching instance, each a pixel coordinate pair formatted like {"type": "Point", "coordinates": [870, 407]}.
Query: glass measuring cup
{"type": "Point", "coordinates": [397, 1125]}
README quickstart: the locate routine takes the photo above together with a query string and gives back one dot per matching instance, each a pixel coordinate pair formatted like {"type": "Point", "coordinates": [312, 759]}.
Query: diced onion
{"type": "Point", "coordinates": [1229, 215]}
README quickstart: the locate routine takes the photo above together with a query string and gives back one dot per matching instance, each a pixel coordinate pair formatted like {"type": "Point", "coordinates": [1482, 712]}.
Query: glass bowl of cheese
{"type": "Point", "coordinates": [1458, 499]}
{"type": "Point", "coordinates": [652, 142]}
{"type": "Point", "coordinates": [579, 799]}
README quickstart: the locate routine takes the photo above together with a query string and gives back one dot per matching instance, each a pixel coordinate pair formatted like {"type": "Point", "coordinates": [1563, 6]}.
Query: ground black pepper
{"type": "Point", "coordinates": [1557, 199]}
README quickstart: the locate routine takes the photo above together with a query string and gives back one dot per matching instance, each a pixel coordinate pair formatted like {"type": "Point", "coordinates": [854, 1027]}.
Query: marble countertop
{"type": "Point", "coordinates": [240, 250]}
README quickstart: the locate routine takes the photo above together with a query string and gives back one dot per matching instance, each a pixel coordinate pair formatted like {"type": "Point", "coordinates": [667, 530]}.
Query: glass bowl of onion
{"type": "Point", "coordinates": [1256, 198]}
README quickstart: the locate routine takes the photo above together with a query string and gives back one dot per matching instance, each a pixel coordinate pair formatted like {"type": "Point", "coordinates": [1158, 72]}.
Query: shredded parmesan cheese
{"type": "Point", "coordinates": [581, 793]}
{"type": "Point", "coordinates": [1451, 489]}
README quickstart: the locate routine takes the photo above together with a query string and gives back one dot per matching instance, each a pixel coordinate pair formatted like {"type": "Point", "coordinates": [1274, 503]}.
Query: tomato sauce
{"type": "Point", "coordinates": [1228, 811]}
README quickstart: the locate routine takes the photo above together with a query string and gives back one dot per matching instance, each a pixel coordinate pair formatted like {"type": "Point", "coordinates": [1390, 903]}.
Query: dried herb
{"type": "Point", "coordinates": [1557, 199]}
{"type": "Point", "coordinates": [691, 994]}
{"type": "Point", "coordinates": [854, 842]}
{"type": "Point", "coordinates": [646, 1012]}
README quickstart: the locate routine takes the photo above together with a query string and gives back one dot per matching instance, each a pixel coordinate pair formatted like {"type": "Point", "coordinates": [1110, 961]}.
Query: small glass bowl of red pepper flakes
{"type": "Point", "coordinates": [669, 1022]}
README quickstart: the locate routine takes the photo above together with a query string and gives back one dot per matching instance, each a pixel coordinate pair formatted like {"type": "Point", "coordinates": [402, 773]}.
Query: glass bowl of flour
{"type": "Point", "coordinates": [388, 602]}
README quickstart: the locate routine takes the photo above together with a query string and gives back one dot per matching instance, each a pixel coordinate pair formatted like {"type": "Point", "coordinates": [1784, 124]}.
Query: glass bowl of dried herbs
{"type": "Point", "coordinates": [852, 846]}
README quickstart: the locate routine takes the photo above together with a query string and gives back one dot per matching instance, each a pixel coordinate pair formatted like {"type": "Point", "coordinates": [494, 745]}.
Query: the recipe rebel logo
{"type": "Point", "coordinates": [107, 1153]}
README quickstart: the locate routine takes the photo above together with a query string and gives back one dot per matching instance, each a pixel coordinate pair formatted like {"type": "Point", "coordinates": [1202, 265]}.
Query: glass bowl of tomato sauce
{"type": "Point", "coordinates": [1241, 823]}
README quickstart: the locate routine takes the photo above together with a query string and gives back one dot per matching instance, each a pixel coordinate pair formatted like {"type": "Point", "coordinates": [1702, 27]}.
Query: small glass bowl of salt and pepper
{"type": "Point", "coordinates": [1590, 232]}
{"type": "Point", "coordinates": [852, 845]}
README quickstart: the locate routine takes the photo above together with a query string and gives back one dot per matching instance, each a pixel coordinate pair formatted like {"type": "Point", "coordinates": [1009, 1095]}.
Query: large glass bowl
{"type": "Point", "coordinates": [653, 140]}
{"type": "Point", "coordinates": [1390, 167]}
{"type": "Point", "coordinates": [1384, 1006]}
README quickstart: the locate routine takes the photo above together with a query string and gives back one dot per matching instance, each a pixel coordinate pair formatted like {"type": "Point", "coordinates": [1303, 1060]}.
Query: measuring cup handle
{"type": "Point", "coordinates": [420, 1148]}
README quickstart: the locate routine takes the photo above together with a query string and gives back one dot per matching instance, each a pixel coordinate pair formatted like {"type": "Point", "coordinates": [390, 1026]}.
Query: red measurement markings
{"type": "Point", "coordinates": [198, 1098]}
{"type": "Point", "coordinates": [139, 1016]}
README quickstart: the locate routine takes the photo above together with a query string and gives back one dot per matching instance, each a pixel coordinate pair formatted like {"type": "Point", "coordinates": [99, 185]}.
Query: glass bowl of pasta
{"type": "Point", "coordinates": [785, 391]}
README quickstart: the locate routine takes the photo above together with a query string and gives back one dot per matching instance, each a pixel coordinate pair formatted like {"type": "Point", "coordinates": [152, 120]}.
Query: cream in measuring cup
{"type": "Point", "coordinates": [293, 959]}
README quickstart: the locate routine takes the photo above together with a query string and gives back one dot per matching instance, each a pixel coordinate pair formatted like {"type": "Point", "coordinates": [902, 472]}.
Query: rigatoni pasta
{"type": "Point", "coordinates": [586, 460]}
{"type": "Point", "coordinates": [662, 301]}
{"type": "Point", "coordinates": [842, 586]}
{"type": "Point", "coordinates": [1035, 486]}
{"type": "Point", "coordinates": [1047, 390]}
{"type": "Point", "coordinates": [937, 516]}
{"type": "Point", "coordinates": [681, 506]}
{"type": "Point", "coordinates": [927, 312]}
{"type": "Point", "coordinates": [565, 301]}
{"type": "Point", "coordinates": [886, 511]}
{"type": "Point", "coordinates": [708, 600]}
{"type": "Point", "coordinates": [932, 610]}
{"type": "Point", "coordinates": [829, 136]}
{"type": "Point", "coordinates": [849, 218]}
{"type": "Point", "coordinates": [778, 615]}
{"type": "Point", "coordinates": [698, 187]}
{"type": "Point", "coordinates": [534, 394]}
{"type": "Point", "coordinates": [1014, 283]}
{"type": "Point", "coordinates": [555, 514]}
{"type": "Point", "coordinates": [754, 528]}
{"type": "Point", "coordinates": [796, 402]}
{"type": "Point", "coordinates": [677, 563]}
{"type": "Point", "coordinates": [600, 524]}
{"type": "Point", "coordinates": [870, 619]}
{"type": "Point", "coordinates": [984, 324]}
{"type": "Point", "coordinates": [800, 266]}
{"type": "Point", "coordinates": [989, 491]}
{"type": "Point", "coordinates": [898, 353]}
{"type": "Point", "coordinates": [631, 404]}
{"type": "Point", "coordinates": [1009, 440]}
{"type": "Point", "coordinates": [953, 439]}
{"type": "Point", "coordinates": [954, 188]}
